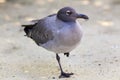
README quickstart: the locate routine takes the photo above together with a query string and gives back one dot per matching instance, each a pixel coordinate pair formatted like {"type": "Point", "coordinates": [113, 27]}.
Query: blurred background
{"type": "Point", "coordinates": [97, 57]}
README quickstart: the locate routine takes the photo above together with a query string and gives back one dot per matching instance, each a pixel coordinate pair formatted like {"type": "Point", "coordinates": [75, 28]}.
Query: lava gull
{"type": "Point", "coordinates": [59, 33]}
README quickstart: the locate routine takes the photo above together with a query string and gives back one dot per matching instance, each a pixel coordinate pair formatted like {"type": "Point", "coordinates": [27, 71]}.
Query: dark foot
{"type": "Point", "coordinates": [65, 75]}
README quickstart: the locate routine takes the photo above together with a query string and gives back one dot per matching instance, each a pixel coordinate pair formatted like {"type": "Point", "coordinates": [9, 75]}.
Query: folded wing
{"type": "Point", "coordinates": [38, 31]}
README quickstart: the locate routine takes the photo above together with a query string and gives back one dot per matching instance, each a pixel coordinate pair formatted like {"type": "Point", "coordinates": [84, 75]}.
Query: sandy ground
{"type": "Point", "coordinates": [97, 57]}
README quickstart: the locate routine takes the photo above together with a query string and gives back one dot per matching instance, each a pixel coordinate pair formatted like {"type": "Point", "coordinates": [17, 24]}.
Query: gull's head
{"type": "Point", "coordinates": [68, 14]}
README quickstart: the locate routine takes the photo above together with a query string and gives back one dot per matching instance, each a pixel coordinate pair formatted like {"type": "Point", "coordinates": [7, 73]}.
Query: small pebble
{"type": "Point", "coordinates": [53, 77]}
{"type": "Point", "coordinates": [99, 64]}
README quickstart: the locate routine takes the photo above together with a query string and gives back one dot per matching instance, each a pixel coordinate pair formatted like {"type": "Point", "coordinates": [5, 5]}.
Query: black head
{"type": "Point", "coordinates": [68, 14]}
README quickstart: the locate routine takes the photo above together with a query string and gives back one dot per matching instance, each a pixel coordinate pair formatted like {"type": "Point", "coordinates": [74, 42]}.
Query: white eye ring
{"type": "Point", "coordinates": [68, 12]}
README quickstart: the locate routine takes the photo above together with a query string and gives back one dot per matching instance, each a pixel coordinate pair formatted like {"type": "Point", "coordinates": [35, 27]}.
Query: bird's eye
{"type": "Point", "coordinates": [68, 12]}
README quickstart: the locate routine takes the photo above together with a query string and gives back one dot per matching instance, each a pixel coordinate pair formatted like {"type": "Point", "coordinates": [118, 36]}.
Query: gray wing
{"type": "Point", "coordinates": [39, 32]}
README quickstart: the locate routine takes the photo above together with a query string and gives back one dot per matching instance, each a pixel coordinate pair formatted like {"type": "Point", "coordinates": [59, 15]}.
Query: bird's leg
{"type": "Point", "coordinates": [63, 74]}
{"type": "Point", "coordinates": [67, 54]}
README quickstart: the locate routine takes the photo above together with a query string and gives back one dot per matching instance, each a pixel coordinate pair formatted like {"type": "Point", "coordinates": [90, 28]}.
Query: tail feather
{"type": "Point", "coordinates": [27, 29]}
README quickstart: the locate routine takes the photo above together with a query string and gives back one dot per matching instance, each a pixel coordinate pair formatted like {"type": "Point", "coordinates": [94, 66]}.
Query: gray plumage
{"type": "Point", "coordinates": [59, 32]}
{"type": "Point", "coordinates": [40, 33]}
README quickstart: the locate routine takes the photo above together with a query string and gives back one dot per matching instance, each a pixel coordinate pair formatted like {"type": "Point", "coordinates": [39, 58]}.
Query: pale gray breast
{"type": "Point", "coordinates": [71, 34]}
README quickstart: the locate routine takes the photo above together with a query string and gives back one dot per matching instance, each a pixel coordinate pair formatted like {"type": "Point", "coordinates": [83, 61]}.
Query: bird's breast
{"type": "Point", "coordinates": [70, 36]}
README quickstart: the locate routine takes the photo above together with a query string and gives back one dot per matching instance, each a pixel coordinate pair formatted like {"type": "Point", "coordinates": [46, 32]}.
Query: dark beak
{"type": "Point", "coordinates": [82, 16]}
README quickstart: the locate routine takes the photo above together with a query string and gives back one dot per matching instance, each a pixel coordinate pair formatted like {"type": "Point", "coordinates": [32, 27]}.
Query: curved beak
{"type": "Point", "coordinates": [82, 16]}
